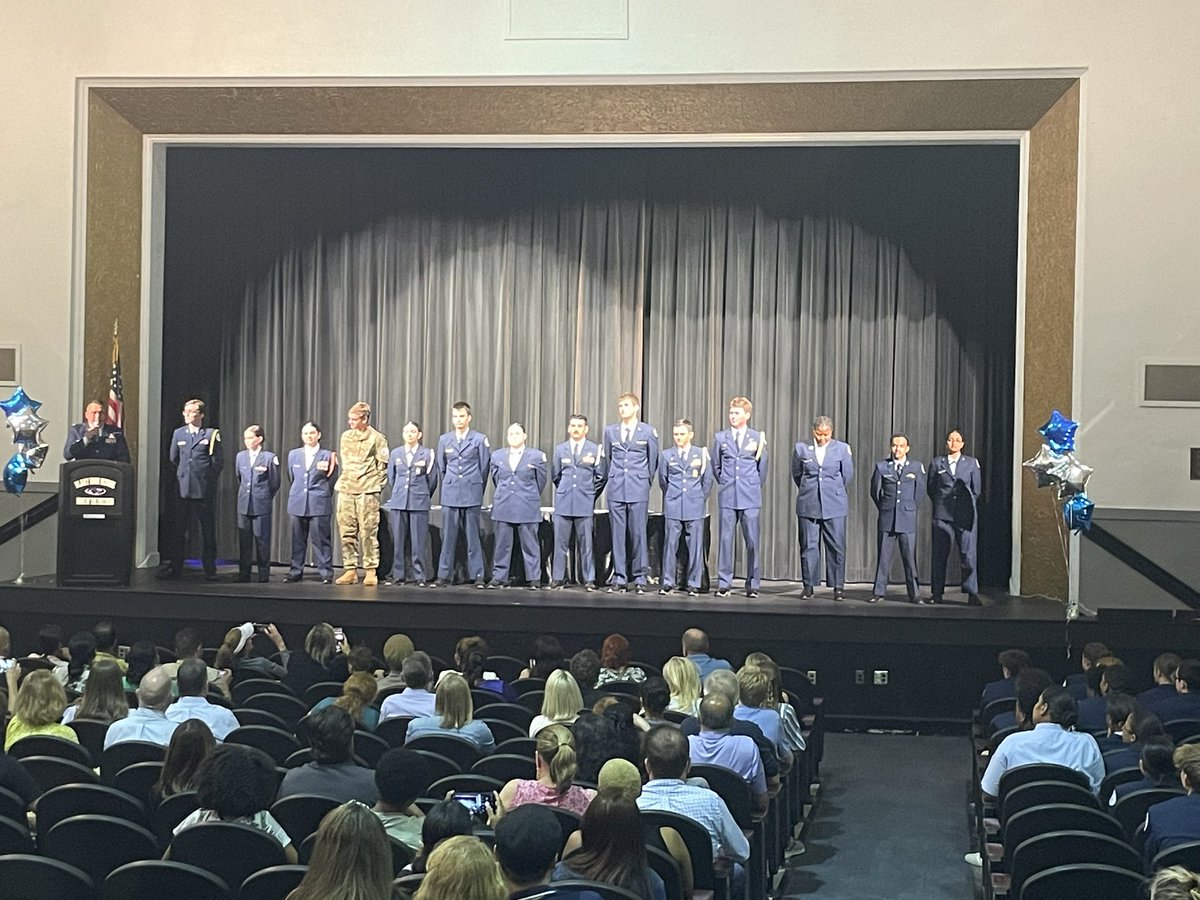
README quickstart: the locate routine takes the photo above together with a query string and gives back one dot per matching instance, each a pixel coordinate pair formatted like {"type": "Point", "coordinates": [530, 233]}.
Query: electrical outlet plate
{"type": "Point", "coordinates": [860, 677]}
{"type": "Point", "coordinates": [881, 676]}
{"type": "Point", "coordinates": [812, 676]}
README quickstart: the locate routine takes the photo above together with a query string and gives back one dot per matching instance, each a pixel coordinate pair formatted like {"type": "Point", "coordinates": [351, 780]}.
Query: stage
{"type": "Point", "coordinates": [936, 656]}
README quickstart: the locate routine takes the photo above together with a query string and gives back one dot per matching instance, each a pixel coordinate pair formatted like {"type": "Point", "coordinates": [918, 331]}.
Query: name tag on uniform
{"type": "Point", "coordinates": [419, 464]}
{"type": "Point", "coordinates": [181, 443]}
{"type": "Point", "coordinates": [643, 443]}
{"type": "Point", "coordinates": [204, 442]}
{"type": "Point", "coordinates": [322, 465]}
{"type": "Point", "coordinates": [751, 445]}
{"type": "Point", "coordinates": [910, 475]}
{"type": "Point", "coordinates": [589, 459]}
{"type": "Point", "coordinates": [449, 450]}
{"type": "Point", "coordinates": [566, 460]}
{"type": "Point", "coordinates": [260, 468]}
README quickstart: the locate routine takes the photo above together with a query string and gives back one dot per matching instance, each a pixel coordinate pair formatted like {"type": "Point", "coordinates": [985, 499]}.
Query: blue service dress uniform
{"type": "Point", "coordinates": [517, 506]}
{"type": "Point", "coordinates": [412, 477]}
{"type": "Point", "coordinates": [896, 490]}
{"type": "Point", "coordinates": [822, 505]}
{"type": "Point", "coordinates": [198, 459]}
{"type": "Point", "coordinates": [954, 489]}
{"type": "Point", "coordinates": [462, 470]}
{"type": "Point", "coordinates": [109, 444]}
{"type": "Point", "coordinates": [740, 468]}
{"type": "Point", "coordinates": [686, 479]}
{"type": "Point", "coordinates": [632, 461]}
{"type": "Point", "coordinates": [310, 504]}
{"type": "Point", "coordinates": [258, 482]}
{"type": "Point", "coordinates": [578, 478]}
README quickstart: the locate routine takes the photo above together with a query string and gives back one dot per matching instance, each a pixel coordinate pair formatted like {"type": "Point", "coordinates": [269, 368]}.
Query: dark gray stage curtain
{"type": "Point", "coordinates": [533, 313]}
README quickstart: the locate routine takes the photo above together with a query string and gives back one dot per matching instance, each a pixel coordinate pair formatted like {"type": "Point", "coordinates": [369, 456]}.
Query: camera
{"type": "Point", "coordinates": [476, 804]}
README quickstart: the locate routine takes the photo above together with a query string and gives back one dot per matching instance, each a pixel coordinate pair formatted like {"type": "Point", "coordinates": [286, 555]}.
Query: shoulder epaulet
{"type": "Point", "coordinates": [654, 431]}
{"type": "Point", "coordinates": [543, 454]}
{"type": "Point", "coordinates": [762, 442]}
{"type": "Point", "coordinates": [216, 436]}
{"type": "Point", "coordinates": [274, 459]}
{"type": "Point", "coordinates": [848, 450]}
{"type": "Point", "coordinates": [704, 456]}
{"type": "Point", "coordinates": [485, 442]}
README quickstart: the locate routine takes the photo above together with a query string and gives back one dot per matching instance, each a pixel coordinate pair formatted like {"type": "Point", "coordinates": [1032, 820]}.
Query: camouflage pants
{"type": "Point", "coordinates": [358, 523]}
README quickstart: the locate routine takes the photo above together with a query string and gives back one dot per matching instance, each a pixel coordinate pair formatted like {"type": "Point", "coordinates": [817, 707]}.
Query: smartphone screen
{"type": "Point", "coordinates": [476, 804]}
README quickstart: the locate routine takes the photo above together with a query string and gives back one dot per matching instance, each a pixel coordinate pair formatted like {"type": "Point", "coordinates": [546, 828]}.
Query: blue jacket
{"type": "Point", "coordinates": [822, 488]}
{"type": "Point", "coordinates": [739, 473]}
{"type": "Point", "coordinates": [311, 491]}
{"type": "Point", "coordinates": [412, 487]}
{"type": "Point", "coordinates": [577, 484]}
{"type": "Point", "coordinates": [109, 444]}
{"type": "Point", "coordinates": [518, 496]}
{"type": "Point", "coordinates": [686, 481]}
{"type": "Point", "coordinates": [463, 469]}
{"type": "Point", "coordinates": [631, 466]}
{"type": "Point", "coordinates": [896, 495]}
{"type": "Point", "coordinates": [256, 486]}
{"type": "Point", "coordinates": [954, 496]}
{"type": "Point", "coordinates": [198, 459]}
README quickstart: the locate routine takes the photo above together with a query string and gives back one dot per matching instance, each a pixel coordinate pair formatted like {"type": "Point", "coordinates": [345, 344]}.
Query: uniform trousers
{"type": "Point", "coordinates": [581, 526]}
{"type": "Point", "coordinates": [358, 527]}
{"type": "Point", "coordinates": [730, 520]}
{"type": "Point", "coordinates": [527, 533]}
{"type": "Point", "coordinates": [831, 532]}
{"type": "Point", "coordinates": [692, 531]}
{"type": "Point", "coordinates": [200, 508]}
{"type": "Point", "coordinates": [454, 520]}
{"type": "Point", "coordinates": [945, 533]}
{"type": "Point", "coordinates": [410, 525]}
{"type": "Point", "coordinates": [886, 543]}
{"type": "Point", "coordinates": [321, 529]}
{"type": "Point", "coordinates": [628, 522]}
{"type": "Point", "coordinates": [254, 543]}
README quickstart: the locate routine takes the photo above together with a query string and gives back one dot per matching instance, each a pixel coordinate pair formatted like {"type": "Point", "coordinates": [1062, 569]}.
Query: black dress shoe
{"type": "Point", "coordinates": [808, 592]}
{"type": "Point", "coordinates": [292, 579]}
{"type": "Point", "coordinates": [936, 598]}
{"type": "Point", "coordinates": [480, 584]}
{"type": "Point", "coordinates": [494, 585]}
{"type": "Point", "coordinates": [591, 588]}
{"type": "Point", "coordinates": [751, 593]}
{"type": "Point", "coordinates": [838, 594]}
{"type": "Point", "coordinates": [874, 599]}
{"type": "Point", "coordinates": [326, 580]}
{"type": "Point", "coordinates": [721, 592]}
{"type": "Point", "coordinates": [973, 600]}
{"type": "Point", "coordinates": [615, 589]}
{"type": "Point", "coordinates": [534, 586]}
{"type": "Point", "coordinates": [556, 586]}
{"type": "Point", "coordinates": [664, 592]}
{"type": "Point", "coordinates": [641, 589]}
{"type": "Point", "coordinates": [692, 592]}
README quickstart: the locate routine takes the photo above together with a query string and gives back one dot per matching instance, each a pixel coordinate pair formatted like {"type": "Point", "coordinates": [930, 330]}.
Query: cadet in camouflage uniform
{"type": "Point", "coordinates": [363, 460]}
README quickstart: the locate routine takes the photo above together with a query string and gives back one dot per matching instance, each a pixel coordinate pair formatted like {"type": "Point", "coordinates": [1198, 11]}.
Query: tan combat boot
{"type": "Point", "coordinates": [350, 576]}
{"type": "Point", "coordinates": [370, 579]}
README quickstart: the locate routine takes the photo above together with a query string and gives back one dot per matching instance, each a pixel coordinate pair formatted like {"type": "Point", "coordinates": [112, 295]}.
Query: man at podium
{"type": "Point", "coordinates": [93, 438]}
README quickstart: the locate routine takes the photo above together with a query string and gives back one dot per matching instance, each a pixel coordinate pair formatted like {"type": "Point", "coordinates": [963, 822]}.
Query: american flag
{"type": "Point", "coordinates": [116, 391]}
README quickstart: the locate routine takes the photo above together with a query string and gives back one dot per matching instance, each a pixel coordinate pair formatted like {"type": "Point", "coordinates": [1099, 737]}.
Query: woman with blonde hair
{"type": "Point", "coordinates": [1176, 821]}
{"type": "Point", "coordinates": [453, 714]}
{"type": "Point", "coordinates": [1175, 883]}
{"type": "Point", "coordinates": [684, 681]}
{"type": "Point", "coordinates": [103, 696]}
{"type": "Point", "coordinates": [358, 692]}
{"type": "Point", "coordinates": [323, 659]}
{"type": "Point", "coordinates": [555, 767]}
{"type": "Point", "coordinates": [37, 708]}
{"type": "Point", "coordinates": [351, 860]}
{"type": "Point", "coordinates": [462, 868]}
{"type": "Point", "coordinates": [561, 704]}
{"type": "Point", "coordinates": [791, 731]}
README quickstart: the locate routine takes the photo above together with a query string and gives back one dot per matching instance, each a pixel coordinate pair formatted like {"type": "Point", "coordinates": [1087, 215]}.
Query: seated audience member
{"type": "Point", "coordinates": [317, 662]}
{"type": "Point", "coordinates": [1030, 684]}
{"type": "Point", "coordinates": [715, 745]}
{"type": "Point", "coordinates": [778, 699]}
{"type": "Point", "coordinates": [546, 658]}
{"type": "Point", "coordinates": [104, 634]}
{"type": "Point", "coordinates": [527, 844]}
{"type": "Point", "coordinates": [470, 659]}
{"type": "Point", "coordinates": [612, 849]}
{"type": "Point", "coordinates": [103, 696]}
{"type": "Point", "coordinates": [628, 727]}
{"type": "Point", "coordinates": [1117, 710]}
{"type": "Point", "coordinates": [358, 692]}
{"type": "Point", "coordinates": [1157, 764]}
{"type": "Point", "coordinates": [15, 778]}
{"type": "Point", "coordinates": [189, 645]}
{"type": "Point", "coordinates": [695, 648]}
{"type": "Point", "coordinates": [190, 746]}
{"type": "Point", "coordinates": [149, 721]}
{"type": "Point", "coordinates": [1117, 679]}
{"type": "Point", "coordinates": [684, 683]}
{"type": "Point", "coordinates": [37, 706]}
{"type": "Point", "coordinates": [81, 650]}
{"type": "Point", "coordinates": [1176, 821]}
{"type": "Point", "coordinates": [1051, 740]}
{"type": "Point", "coordinates": [142, 657]}
{"type": "Point", "coordinates": [1076, 683]}
{"type": "Point", "coordinates": [1186, 702]}
{"type": "Point", "coordinates": [358, 659]}
{"type": "Point", "coordinates": [454, 715]}
{"type": "Point", "coordinates": [50, 647]}
{"type": "Point", "coordinates": [396, 650]}
{"type": "Point", "coordinates": [1165, 665]}
{"type": "Point", "coordinates": [656, 696]}
{"type": "Point", "coordinates": [1011, 663]}
{"type": "Point", "coordinates": [351, 859]}
{"type": "Point", "coordinates": [561, 703]}
{"type": "Point", "coordinates": [725, 683]}
{"type": "Point", "coordinates": [416, 700]}
{"type": "Point", "coordinates": [192, 678]}
{"type": "Point", "coordinates": [462, 868]}
{"type": "Point", "coordinates": [1174, 883]}
{"type": "Point", "coordinates": [553, 784]}
{"type": "Point", "coordinates": [1091, 710]}
{"type": "Point", "coordinates": [585, 669]}
{"type": "Point", "coordinates": [594, 738]}
{"type": "Point", "coordinates": [1139, 726]}
{"type": "Point", "coordinates": [235, 654]}
{"type": "Point", "coordinates": [401, 776]}
{"type": "Point", "coordinates": [237, 784]}
{"type": "Point", "coordinates": [332, 772]}
{"type": "Point", "coordinates": [667, 762]}
{"type": "Point", "coordinates": [444, 820]}
{"type": "Point", "coordinates": [615, 657]}
{"type": "Point", "coordinates": [754, 706]}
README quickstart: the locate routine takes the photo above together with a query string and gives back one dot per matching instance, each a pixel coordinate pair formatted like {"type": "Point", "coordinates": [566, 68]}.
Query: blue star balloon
{"type": "Point", "coordinates": [1077, 512]}
{"type": "Point", "coordinates": [19, 400]}
{"type": "Point", "coordinates": [16, 473]}
{"type": "Point", "coordinates": [1059, 432]}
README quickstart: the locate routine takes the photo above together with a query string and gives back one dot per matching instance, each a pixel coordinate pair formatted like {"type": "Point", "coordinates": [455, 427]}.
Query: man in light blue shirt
{"type": "Point", "coordinates": [715, 746]}
{"type": "Point", "coordinates": [695, 648]}
{"type": "Point", "coordinates": [192, 704]}
{"type": "Point", "coordinates": [149, 721]}
{"type": "Point", "coordinates": [754, 688]}
{"type": "Point", "coordinates": [1050, 741]}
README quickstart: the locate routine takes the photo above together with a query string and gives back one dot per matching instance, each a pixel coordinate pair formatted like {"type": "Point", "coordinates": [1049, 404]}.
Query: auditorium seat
{"type": "Point", "coordinates": [464, 753]}
{"type": "Point", "coordinates": [87, 799]}
{"type": "Point", "coordinates": [1058, 848]}
{"type": "Point", "coordinates": [29, 877]}
{"type": "Point", "coordinates": [1182, 729]}
{"type": "Point", "coordinates": [231, 851]}
{"type": "Point", "coordinates": [522, 746]}
{"type": "Point", "coordinates": [532, 701]}
{"type": "Point", "coordinates": [1055, 817]}
{"type": "Point", "coordinates": [50, 772]}
{"type": "Point", "coordinates": [300, 814]}
{"type": "Point", "coordinates": [272, 883]}
{"type": "Point", "coordinates": [508, 712]}
{"type": "Point", "coordinates": [14, 837]}
{"type": "Point", "coordinates": [526, 685]}
{"type": "Point", "coordinates": [731, 788]}
{"type": "Point", "coordinates": [465, 783]}
{"type": "Point", "coordinates": [246, 716]}
{"type": "Point", "coordinates": [503, 731]}
{"type": "Point", "coordinates": [394, 730]}
{"type": "Point", "coordinates": [1131, 809]}
{"type": "Point", "coordinates": [706, 881]}
{"type": "Point", "coordinates": [48, 745]}
{"type": "Point", "coordinates": [668, 870]}
{"type": "Point", "coordinates": [504, 767]}
{"type": "Point", "coordinates": [1116, 778]}
{"type": "Point", "coordinates": [320, 691]}
{"type": "Point", "coordinates": [163, 878]}
{"type": "Point", "coordinates": [606, 891]}
{"type": "Point", "coordinates": [98, 844]}
{"type": "Point", "coordinates": [138, 779]}
{"type": "Point", "coordinates": [126, 753]}
{"type": "Point", "coordinates": [169, 813]}
{"type": "Point", "coordinates": [507, 668]}
{"type": "Point", "coordinates": [275, 742]}
{"type": "Point", "coordinates": [369, 747]}
{"type": "Point", "coordinates": [246, 689]}
{"type": "Point", "coordinates": [438, 766]}
{"type": "Point", "coordinates": [91, 734]}
{"type": "Point", "coordinates": [1186, 855]}
{"type": "Point", "coordinates": [12, 807]}
{"type": "Point", "coordinates": [1037, 793]}
{"type": "Point", "coordinates": [1084, 880]}
{"type": "Point", "coordinates": [287, 707]}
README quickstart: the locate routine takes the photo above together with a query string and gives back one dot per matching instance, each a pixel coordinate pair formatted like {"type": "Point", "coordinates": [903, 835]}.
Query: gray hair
{"type": "Point", "coordinates": [822, 422]}
{"type": "Point", "coordinates": [723, 681]}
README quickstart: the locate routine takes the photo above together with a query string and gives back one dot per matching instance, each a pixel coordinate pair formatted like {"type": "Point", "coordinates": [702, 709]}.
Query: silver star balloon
{"type": "Point", "coordinates": [27, 426]}
{"type": "Point", "coordinates": [1075, 477]}
{"type": "Point", "coordinates": [35, 456]}
{"type": "Point", "coordinates": [1048, 467]}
